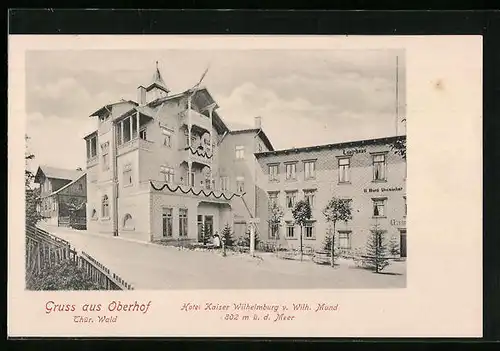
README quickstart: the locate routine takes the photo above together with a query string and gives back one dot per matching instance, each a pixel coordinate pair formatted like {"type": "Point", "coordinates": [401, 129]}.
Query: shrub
{"type": "Point", "coordinates": [267, 246]}
{"type": "Point", "coordinates": [63, 276]}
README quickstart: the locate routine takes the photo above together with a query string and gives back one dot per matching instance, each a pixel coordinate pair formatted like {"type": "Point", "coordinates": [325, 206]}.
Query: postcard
{"type": "Point", "coordinates": [232, 186]}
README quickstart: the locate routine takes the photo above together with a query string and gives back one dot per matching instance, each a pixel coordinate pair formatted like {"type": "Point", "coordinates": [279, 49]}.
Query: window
{"type": "Point", "coordinates": [105, 156]}
{"type": "Point", "coordinates": [309, 197]}
{"type": "Point", "coordinates": [290, 230]}
{"type": "Point", "coordinates": [208, 181]}
{"type": "Point", "coordinates": [134, 126]}
{"type": "Point", "coordinates": [344, 170]}
{"type": "Point", "coordinates": [378, 207]}
{"type": "Point", "coordinates": [142, 134]}
{"type": "Point", "coordinates": [273, 173]}
{"type": "Point", "coordinates": [105, 206]}
{"type": "Point", "coordinates": [92, 147]}
{"type": "Point", "coordinates": [344, 239]}
{"type": "Point", "coordinates": [406, 208]}
{"type": "Point", "coordinates": [378, 167]}
{"type": "Point", "coordinates": [309, 230]}
{"type": "Point", "coordinates": [168, 173]}
{"type": "Point", "coordinates": [224, 183]}
{"type": "Point", "coordinates": [240, 152]}
{"type": "Point", "coordinates": [127, 175]}
{"type": "Point", "coordinates": [183, 222]}
{"type": "Point", "coordinates": [126, 129]}
{"type": "Point", "coordinates": [80, 187]}
{"type": "Point", "coordinates": [259, 147]}
{"type": "Point", "coordinates": [191, 179]}
{"type": "Point", "coordinates": [273, 231]}
{"type": "Point", "coordinates": [309, 169]}
{"type": "Point", "coordinates": [167, 137]}
{"type": "Point", "coordinates": [291, 198]}
{"type": "Point", "coordinates": [167, 222]}
{"type": "Point", "coordinates": [273, 199]}
{"type": "Point", "coordinates": [94, 214]}
{"type": "Point", "coordinates": [128, 222]}
{"type": "Point", "coordinates": [240, 184]}
{"type": "Point", "coordinates": [291, 171]}
{"type": "Point", "coordinates": [127, 132]}
{"type": "Point", "coordinates": [54, 205]}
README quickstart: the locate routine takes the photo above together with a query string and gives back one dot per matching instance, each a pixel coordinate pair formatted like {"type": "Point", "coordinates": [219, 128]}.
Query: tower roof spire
{"type": "Point", "coordinates": [157, 80]}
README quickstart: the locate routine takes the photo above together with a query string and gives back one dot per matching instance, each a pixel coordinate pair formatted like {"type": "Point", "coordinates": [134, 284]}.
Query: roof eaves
{"type": "Point", "coordinates": [330, 146]}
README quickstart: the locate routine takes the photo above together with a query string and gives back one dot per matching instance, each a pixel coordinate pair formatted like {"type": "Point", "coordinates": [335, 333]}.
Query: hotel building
{"type": "Point", "coordinates": [165, 165]}
{"type": "Point", "coordinates": [367, 173]}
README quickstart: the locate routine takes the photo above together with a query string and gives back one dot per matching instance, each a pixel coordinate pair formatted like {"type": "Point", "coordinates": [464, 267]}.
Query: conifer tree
{"type": "Point", "coordinates": [394, 246]}
{"type": "Point", "coordinates": [246, 238]}
{"type": "Point", "coordinates": [227, 236]}
{"type": "Point", "coordinates": [377, 250]}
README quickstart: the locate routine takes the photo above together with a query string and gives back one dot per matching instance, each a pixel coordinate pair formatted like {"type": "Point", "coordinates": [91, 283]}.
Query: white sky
{"type": "Point", "coordinates": [304, 97]}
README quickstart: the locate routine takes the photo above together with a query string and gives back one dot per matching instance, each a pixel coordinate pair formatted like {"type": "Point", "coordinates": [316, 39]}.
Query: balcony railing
{"type": "Point", "coordinates": [197, 119]}
{"type": "Point", "coordinates": [136, 143]}
{"type": "Point", "coordinates": [196, 155]}
{"type": "Point", "coordinates": [197, 191]}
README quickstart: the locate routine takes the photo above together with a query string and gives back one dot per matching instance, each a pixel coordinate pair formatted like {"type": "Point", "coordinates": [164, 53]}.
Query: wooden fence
{"type": "Point", "coordinates": [44, 250]}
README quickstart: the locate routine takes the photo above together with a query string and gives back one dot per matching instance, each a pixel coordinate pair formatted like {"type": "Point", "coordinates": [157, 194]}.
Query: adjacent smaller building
{"type": "Point", "coordinates": [63, 196]}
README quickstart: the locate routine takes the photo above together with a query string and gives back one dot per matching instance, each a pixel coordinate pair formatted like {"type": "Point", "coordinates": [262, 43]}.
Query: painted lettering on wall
{"type": "Point", "coordinates": [353, 151]}
{"type": "Point", "coordinates": [398, 223]}
{"type": "Point", "coordinates": [382, 190]}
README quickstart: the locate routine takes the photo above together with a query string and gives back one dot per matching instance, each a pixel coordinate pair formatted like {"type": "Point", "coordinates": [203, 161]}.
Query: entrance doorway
{"type": "Point", "coordinates": [209, 226]}
{"type": "Point", "coordinates": [205, 223]}
{"type": "Point", "coordinates": [402, 242]}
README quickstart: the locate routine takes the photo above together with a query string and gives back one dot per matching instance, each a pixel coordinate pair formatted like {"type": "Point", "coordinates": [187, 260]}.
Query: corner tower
{"type": "Point", "coordinates": [157, 89]}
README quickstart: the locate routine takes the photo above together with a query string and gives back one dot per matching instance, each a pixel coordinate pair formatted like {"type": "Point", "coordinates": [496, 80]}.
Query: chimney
{"type": "Point", "coordinates": [141, 95]}
{"type": "Point", "coordinates": [258, 122]}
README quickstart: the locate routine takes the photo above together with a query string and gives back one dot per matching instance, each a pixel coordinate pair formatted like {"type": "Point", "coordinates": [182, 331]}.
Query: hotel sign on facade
{"type": "Point", "coordinates": [383, 190]}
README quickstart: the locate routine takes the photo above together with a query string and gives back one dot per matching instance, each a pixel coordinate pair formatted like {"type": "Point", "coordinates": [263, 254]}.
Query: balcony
{"type": "Point", "coordinates": [134, 144]}
{"type": "Point", "coordinates": [204, 194]}
{"type": "Point", "coordinates": [196, 155]}
{"type": "Point", "coordinates": [197, 120]}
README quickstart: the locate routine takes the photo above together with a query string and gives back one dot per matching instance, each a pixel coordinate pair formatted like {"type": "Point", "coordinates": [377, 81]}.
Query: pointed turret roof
{"type": "Point", "coordinates": [158, 81]}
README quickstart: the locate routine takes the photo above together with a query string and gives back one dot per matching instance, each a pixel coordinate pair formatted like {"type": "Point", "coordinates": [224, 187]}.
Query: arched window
{"type": "Point", "coordinates": [128, 222]}
{"type": "Point", "coordinates": [105, 206]}
{"type": "Point", "coordinates": [94, 214]}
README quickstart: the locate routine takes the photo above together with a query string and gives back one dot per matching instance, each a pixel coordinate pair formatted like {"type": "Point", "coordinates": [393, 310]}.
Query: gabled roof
{"type": "Point", "coordinates": [105, 108]}
{"type": "Point", "coordinates": [68, 185]}
{"type": "Point", "coordinates": [202, 98]}
{"type": "Point", "coordinates": [56, 173]}
{"type": "Point", "coordinates": [260, 133]}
